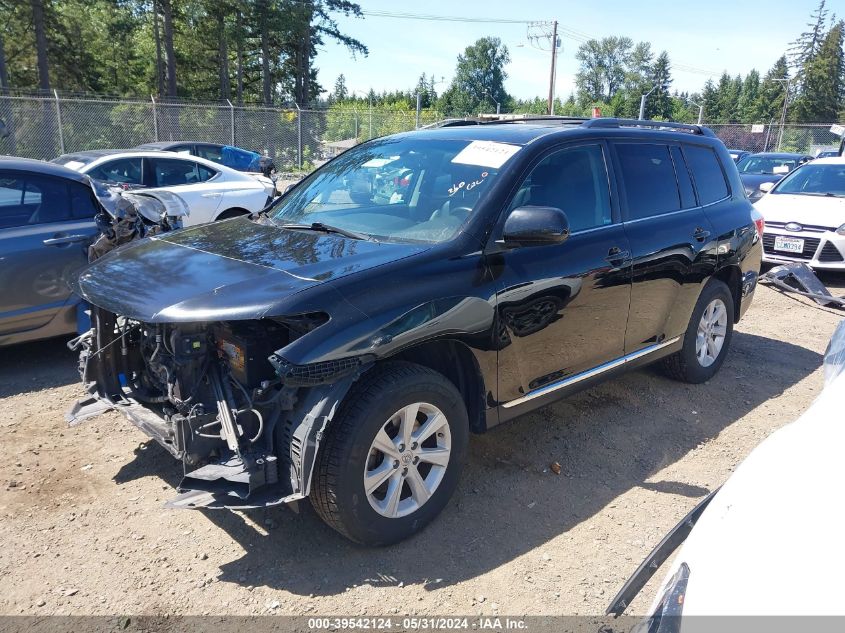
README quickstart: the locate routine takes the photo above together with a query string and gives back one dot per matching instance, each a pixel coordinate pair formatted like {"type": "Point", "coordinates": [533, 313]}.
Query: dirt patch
{"type": "Point", "coordinates": [85, 531]}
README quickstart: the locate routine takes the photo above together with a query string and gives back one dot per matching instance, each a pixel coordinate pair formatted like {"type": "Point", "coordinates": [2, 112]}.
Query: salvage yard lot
{"type": "Point", "coordinates": [85, 531]}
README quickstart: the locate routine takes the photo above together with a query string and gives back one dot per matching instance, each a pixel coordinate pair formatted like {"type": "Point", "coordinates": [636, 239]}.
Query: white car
{"type": "Point", "coordinates": [805, 216]}
{"type": "Point", "coordinates": [770, 541]}
{"type": "Point", "coordinates": [211, 191]}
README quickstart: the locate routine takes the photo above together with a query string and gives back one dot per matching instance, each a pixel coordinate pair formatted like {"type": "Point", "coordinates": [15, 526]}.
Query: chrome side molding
{"type": "Point", "coordinates": [595, 371]}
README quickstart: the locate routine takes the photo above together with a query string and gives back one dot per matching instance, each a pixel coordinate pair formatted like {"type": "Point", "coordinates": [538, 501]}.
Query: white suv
{"type": "Point", "coordinates": [211, 191]}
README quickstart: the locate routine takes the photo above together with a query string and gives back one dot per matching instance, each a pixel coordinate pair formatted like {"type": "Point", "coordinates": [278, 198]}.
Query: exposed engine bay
{"type": "Point", "coordinates": [218, 396]}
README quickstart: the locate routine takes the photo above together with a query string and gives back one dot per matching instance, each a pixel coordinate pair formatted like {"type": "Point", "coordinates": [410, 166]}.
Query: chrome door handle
{"type": "Point", "coordinates": [66, 239]}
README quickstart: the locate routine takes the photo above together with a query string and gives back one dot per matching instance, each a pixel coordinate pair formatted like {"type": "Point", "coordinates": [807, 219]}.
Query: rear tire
{"type": "Point", "coordinates": [708, 336]}
{"type": "Point", "coordinates": [392, 457]}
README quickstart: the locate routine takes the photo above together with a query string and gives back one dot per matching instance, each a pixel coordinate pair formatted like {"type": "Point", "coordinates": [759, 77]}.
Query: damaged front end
{"type": "Point", "coordinates": [219, 397]}
{"type": "Point", "coordinates": [213, 388]}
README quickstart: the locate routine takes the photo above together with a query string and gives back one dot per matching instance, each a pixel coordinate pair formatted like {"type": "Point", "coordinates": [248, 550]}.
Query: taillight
{"type": "Point", "coordinates": [760, 223]}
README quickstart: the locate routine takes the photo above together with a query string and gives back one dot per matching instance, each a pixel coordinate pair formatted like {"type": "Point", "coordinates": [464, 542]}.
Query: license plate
{"type": "Point", "coordinates": [789, 244]}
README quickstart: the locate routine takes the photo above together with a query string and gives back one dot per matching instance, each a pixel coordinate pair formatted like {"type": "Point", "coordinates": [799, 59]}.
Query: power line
{"type": "Point", "coordinates": [563, 31]}
{"type": "Point", "coordinates": [439, 18]}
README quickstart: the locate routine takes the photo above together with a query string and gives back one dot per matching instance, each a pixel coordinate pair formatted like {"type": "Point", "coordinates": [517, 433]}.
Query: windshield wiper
{"type": "Point", "coordinates": [327, 228]}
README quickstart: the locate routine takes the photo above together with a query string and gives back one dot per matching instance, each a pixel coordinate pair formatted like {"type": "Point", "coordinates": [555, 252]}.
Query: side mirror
{"type": "Point", "coordinates": [766, 187]}
{"type": "Point", "coordinates": [535, 226]}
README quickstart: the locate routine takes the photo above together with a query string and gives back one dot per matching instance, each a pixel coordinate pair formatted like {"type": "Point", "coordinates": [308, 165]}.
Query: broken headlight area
{"type": "Point", "coordinates": [245, 423]}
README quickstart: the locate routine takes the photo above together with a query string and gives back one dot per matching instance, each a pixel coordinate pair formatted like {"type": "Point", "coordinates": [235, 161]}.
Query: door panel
{"type": "Point", "coordinates": [188, 180]}
{"type": "Point", "coordinates": [562, 308]}
{"type": "Point", "coordinates": [672, 246]}
{"type": "Point", "coordinates": [40, 252]}
{"type": "Point", "coordinates": [670, 265]}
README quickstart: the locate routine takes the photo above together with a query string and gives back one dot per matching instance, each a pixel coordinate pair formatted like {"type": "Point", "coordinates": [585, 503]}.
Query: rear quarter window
{"type": "Point", "coordinates": [707, 174]}
{"type": "Point", "coordinates": [648, 175]}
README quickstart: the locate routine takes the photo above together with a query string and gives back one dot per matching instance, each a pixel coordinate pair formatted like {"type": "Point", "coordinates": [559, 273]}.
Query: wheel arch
{"type": "Point", "coordinates": [731, 276]}
{"type": "Point", "coordinates": [458, 364]}
{"type": "Point", "coordinates": [231, 212]}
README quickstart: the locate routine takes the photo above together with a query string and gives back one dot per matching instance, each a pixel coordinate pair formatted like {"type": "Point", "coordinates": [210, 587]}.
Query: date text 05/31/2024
{"type": "Point", "coordinates": [485, 623]}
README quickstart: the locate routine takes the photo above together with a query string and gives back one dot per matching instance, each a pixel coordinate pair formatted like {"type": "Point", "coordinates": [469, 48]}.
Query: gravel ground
{"type": "Point", "coordinates": [85, 531]}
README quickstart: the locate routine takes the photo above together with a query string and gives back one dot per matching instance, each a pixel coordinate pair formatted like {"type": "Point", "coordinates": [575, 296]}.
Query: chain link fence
{"type": "Point", "coordinates": [803, 139]}
{"type": "Point", "coordinates": [44, 127]}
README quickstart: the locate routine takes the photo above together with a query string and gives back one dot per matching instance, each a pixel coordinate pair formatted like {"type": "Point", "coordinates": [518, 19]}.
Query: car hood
{"type": "Point", "coordinates": [770, 542]}
{"type": "Point", "coordinates": [810, 210]}
{"type": "Point", "coordinates": [230, 270]}
{"type": "Point", "coordinates": [753, 181]}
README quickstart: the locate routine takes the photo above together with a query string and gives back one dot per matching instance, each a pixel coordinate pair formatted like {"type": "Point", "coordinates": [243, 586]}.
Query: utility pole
{"type": "Point", "coordinates": [700, 111]}
{"type": "Point", "coordinates": [553, 69]}
{"type": "Point", "coordinates": [642, 102]}
{"type": "Point", "coordinates": [783, 113]}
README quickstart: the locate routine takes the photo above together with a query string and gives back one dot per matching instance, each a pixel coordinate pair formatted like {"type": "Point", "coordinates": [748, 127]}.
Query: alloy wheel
{"type": "Point", "coordinates": [712, 330]}
{"type": "Point", "coordinates": [407, 460]}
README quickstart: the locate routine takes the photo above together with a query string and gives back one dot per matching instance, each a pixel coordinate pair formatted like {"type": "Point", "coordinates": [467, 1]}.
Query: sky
{"type": "Point", "coordinates": [702, 38]}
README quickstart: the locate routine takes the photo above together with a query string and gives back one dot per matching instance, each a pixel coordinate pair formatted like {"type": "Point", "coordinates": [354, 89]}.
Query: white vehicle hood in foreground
{"type": "Point", "coordinates": [772, 541]}
{"type": "Point", "coordinates": [814, 210]}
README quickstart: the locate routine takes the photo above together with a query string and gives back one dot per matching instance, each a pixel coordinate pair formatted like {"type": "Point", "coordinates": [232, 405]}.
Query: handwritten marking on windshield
{"type": "Point", "coordinates": [469, 187]}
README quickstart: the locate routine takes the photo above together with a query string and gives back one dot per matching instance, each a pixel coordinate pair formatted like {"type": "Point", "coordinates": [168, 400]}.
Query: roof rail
{"type": "Point", "coordinates": [655, 125]}
{"type": "Point", "coordinates": [529, 118]}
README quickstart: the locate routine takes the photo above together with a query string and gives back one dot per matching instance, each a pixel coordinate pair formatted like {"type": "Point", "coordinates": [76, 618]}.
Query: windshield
{"type": "Point", "coordinates": [766, 165]}
{"type": "Point", "coordinates": [815, 180]}
{"type": "Point", "coordinates": [405, 189]}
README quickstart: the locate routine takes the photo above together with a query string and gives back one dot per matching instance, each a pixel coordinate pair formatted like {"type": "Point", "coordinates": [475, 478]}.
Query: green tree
{"type": "Point", "coordinates": [603, 66]}
{"type": "Point", "coordinates": [773, 91]}
{"type": "Point", "coordinates": [748, 100]}
{"type": "Point", "coordinates": [710, 101]}
{"type": "Point", "coordinates": [479, 79]}
{"type": "Point", "coordinates": [807, 45]}
{"type": "Point", "coordinates": [659, 103]}
{"type": "Point", "coordinates": [823, 79]}
{"type": "Point", "coordinates": [340, 92]}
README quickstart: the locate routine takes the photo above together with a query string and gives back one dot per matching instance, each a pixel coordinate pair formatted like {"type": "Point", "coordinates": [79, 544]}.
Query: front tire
{"type": "Point", "coordinates": [708, 336]}
{"type": "Point", "coordinates": [393, 456]}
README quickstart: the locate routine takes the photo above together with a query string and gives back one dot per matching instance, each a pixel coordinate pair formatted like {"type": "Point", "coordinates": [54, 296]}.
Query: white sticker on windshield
{"type": "Point", "coordinates": [486, 154]}
{"type": "Point", "coordinates": [781, 169]}
{"type": "Point", "coordinates": [74, 164]}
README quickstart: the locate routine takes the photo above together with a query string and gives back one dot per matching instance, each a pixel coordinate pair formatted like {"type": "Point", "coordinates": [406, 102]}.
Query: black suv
{"type": "Point", "coordinates": [343, 343]}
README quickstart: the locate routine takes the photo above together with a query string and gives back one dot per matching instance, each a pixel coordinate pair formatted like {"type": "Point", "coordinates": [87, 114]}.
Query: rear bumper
{"type": "Point", "coordinates": [824, 250]}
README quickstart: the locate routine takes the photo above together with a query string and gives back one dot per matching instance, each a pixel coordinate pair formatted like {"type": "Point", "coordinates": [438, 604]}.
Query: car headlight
{"type": "Point", "coordinates": [667, 616]}
{"type": "Point", "coordinates": [841, 230]}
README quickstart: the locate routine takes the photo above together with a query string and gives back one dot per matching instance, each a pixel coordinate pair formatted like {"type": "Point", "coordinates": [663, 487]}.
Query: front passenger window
{"type": "Point", "coordinates": [574, 180]}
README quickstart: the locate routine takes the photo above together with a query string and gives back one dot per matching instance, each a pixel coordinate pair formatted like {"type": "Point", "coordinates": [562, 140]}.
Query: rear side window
{"type": "Point", "coordinates": [649, 178]}
{"type": "Point", "coordinates": [122, 170]}
{"type": "Point", "coordinates": [708, 175]}
{"type": "Point", "coordinates": [210, 152]}
{"type": "Point", "coordinates": [32, 199]}
{"type": "Point", "coordinates": [170, 172]}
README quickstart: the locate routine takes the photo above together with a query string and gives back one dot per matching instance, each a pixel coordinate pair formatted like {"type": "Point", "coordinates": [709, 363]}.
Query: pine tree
{"type": "Point", "coordinates": [340, 92]}
{"type": "Point", "coordinates": [822, 85]}
{"type": "Point", "coordinates": [773, 91]}
{"type": "Point", "coordinates": [748, 100]}
{"type": "Point", "coordinates": [659, 104]}
{"type": "Point", "coordinates": [710, 101]}
{"type": "Point", "coordinates": [803, 49]}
